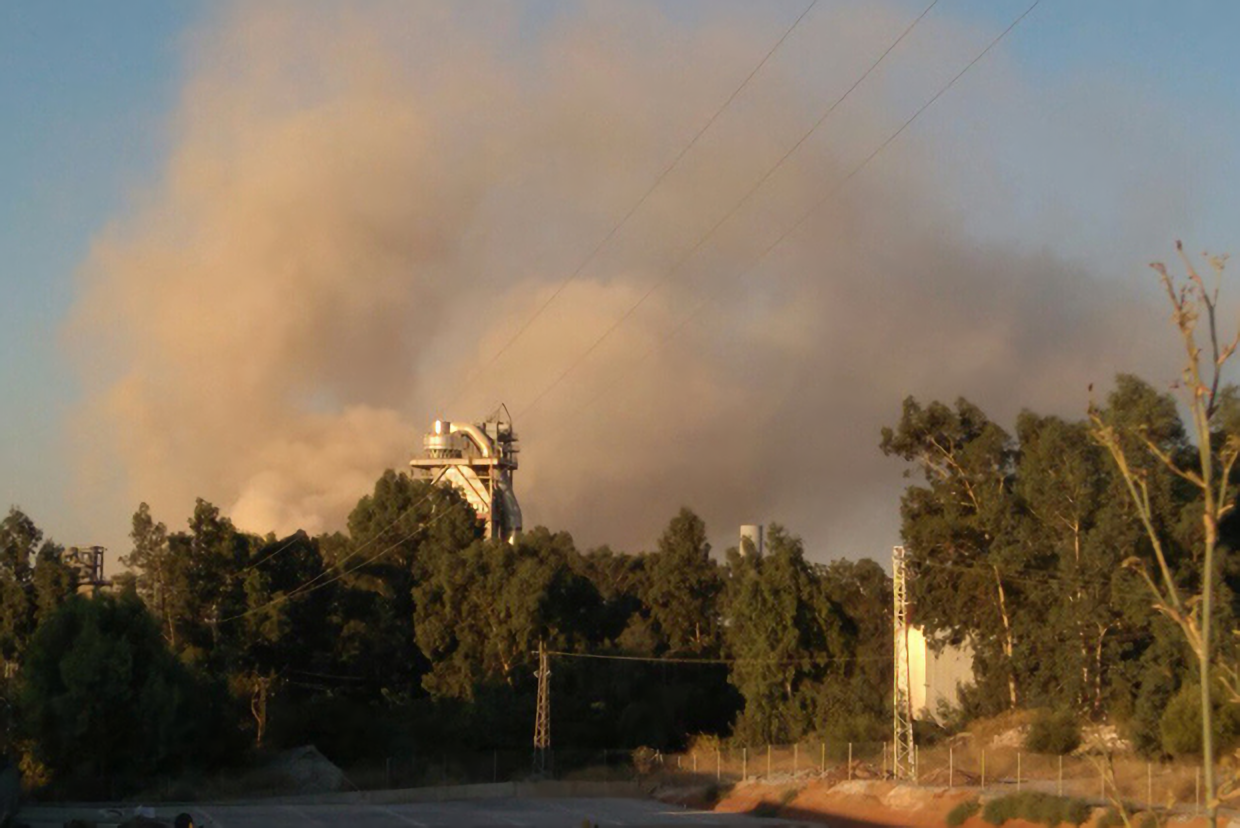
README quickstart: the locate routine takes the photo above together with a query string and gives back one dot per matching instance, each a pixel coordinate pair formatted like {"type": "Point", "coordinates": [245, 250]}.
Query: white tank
{"type": "Point", "coordinates": [752, 532]}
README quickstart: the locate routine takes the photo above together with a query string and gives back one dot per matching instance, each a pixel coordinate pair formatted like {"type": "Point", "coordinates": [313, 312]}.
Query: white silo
{"type": "Point", "coordinates": [752, 539]}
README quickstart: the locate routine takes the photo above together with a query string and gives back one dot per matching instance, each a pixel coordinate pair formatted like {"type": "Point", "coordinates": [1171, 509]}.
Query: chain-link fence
{"type": "Point", "coordinates": [997, 769]}
{"type": "Point", "coordinates": [1092, 777]}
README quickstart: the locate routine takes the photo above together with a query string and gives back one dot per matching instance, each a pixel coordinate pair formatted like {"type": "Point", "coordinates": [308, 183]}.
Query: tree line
{"type": "Point", "coordinates": [408, 631]}
{"type": "Point", "coordinates": [1029, 547]}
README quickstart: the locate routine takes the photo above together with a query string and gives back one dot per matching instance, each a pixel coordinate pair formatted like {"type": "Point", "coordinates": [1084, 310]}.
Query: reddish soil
{"type": "Point", "coordinates": [862, 804]}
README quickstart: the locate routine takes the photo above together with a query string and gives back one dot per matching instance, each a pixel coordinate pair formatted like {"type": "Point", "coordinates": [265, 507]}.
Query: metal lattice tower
{"type": "Point", "coordinates": [542, 718]}
{"type": "Point", "coordinates": [903, 748]}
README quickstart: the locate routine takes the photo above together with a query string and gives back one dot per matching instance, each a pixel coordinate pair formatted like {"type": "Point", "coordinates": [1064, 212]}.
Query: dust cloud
{"type": "Point", "coordinates": [361, 205]}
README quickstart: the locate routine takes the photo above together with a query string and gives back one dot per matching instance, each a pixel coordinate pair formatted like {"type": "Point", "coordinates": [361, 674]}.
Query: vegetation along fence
{"type": "Point", "coordinates": [1172, 785]}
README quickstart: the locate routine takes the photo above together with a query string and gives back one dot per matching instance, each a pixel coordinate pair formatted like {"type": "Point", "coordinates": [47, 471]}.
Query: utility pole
{"type": "Point", "coordinates": [903, 756]}
{"type": "Point", "coordinates": [542, 718]}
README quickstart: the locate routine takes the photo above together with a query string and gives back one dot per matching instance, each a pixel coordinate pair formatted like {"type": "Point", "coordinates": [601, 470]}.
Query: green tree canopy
{"type": "Point", "coordinates": [787, 636]}
{"type": "Point", "coordinates": [101, 695]}
{"type": "Point", "coordinates": [683, 588]}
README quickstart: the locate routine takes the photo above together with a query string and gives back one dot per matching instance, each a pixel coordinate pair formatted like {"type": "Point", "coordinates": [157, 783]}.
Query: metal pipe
{"type": "Point", "coordinates": [482, 441]}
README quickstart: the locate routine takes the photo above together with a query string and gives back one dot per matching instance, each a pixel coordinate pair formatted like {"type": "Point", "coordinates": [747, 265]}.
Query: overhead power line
{"type": "Point", "coordinates": [658, 660]}
{"type": "Point", "coordinates": [311, 585]}
{"type": "Point", "coordinates": [748, 268]}
{"type": "Point", "coordinates": [736, 208]}
{"type": "Point", "coordinates": [468, 381]}
{"type": "Point", "coordinates": [288, 542]}
{"type": "Point", "coordinates": [1034, 578]}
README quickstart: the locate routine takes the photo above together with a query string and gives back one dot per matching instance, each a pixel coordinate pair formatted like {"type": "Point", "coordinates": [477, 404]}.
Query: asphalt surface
{"type": "Point", "coordinates": [551, 813]}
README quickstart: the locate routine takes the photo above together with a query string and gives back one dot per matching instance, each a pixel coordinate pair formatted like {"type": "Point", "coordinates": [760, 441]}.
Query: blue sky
{"type": "Point", "coordinates": [87, 91]}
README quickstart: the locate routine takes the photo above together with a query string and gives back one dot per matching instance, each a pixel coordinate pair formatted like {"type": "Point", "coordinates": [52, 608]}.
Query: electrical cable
{"type": "Point", "coordinates": [311, 586]}
{"type": "Point", "coordinates": [624, 220]}
{"type": "Point", "coordinates": [293, 538]}
{"type": "Point", "coordinates": [308, 586]}
{"type": "Point", "coordinates": [693, 249]}
{"type": "Point", "coordinates": [747, 269]}
{"type": "Point", "coordinates": [1030, 578]}
{"type": "Point", "coordinates": [473, 375]}
{"type": "Point", "coordinates": [777, 661]}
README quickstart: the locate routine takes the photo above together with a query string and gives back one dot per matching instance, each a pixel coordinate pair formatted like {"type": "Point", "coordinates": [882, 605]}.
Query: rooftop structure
{"type": "Point", "coordinates": [478, 461]}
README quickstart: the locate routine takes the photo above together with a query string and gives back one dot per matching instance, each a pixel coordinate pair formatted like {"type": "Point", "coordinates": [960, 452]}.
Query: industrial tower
{"type": "Point", "coordinates": [903, 748]}
{"type": "Point", "coordinates": [87, 561]}
{"type": "Point", "coordinates": [478, 461]}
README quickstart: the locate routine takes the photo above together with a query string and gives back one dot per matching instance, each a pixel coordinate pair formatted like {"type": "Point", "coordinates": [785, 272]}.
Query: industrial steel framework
{"type": "Point", "coordinates": [478, 461]}
{"type": "Point", "coordinates": [903, 748]}
{"type": "Point", "coordinates": [542, 718]}
{"type": "Point", "coordinates": [88, 562]}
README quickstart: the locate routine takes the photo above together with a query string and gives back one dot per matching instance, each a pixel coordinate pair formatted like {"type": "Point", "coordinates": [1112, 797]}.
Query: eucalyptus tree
{"type": "Point", "coordinates": [958, 528]}
{"type": "Point", "coordinates": [785, 637]}
{"type": "Point", "coordinates": [394, 533]}
{"type": "Point", "coordinates": [34, 581]}
{"type": "Point", "coordinates": [159, 577]}
{"type": "Point", "coordinates": [683, 588]}
{"type": "Point", "coordinates": [101, 696]}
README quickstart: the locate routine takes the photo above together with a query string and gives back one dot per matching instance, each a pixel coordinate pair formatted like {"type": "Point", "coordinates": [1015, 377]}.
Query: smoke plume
{"type": "Point", "coordinates": [361, 206]}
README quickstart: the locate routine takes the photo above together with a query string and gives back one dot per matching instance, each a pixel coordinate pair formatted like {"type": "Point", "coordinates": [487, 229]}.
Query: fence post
{"type": "Point", "coordinates": [951, 766]}
{"type": "Point", "coordinates": [1018, 771]}
{"type": "Point", "coordinates": [850, 761]}
{"type": "Point", "coordinates": [695, 761]}
{"type": "Point", "coordinates": [1149, 784]}
{"type": "Point", "coordinates": [744, 763]}
{"type": "Point", "coordinates": [718, 765]}
{"type": "Point", "coordinates": [884, 760]}
{"type": "Point", "coordinates": [1197, 792]}
{"type": "Point", "coordinates": [796, 757]}
{"type": "Point", "coordinates": [1102, 783]}
{"type": "Point", "coordinates": [983, 767]}
{"type": "Point", "coordinates": [1059, 787]}
{"type": "Point", "coordinates": [823, 769]}
{"type": "Point", "coordinates": [768, 760]}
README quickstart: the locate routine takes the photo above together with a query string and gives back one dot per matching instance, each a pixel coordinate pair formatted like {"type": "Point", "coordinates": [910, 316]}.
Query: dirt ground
{"type": "Point", "coordinates": [863, 803]}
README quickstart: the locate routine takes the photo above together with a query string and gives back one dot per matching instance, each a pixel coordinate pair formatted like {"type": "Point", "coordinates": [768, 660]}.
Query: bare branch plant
{"type": "Point", "coordinates": [1210, 471]}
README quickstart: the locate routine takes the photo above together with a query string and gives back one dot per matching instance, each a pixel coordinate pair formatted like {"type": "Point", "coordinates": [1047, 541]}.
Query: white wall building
{"type": "Point", "coordinates": [935, 676]}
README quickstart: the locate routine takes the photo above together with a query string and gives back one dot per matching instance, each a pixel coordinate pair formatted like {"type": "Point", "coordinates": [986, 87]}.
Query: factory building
{"type": "Point", "coordinates": [478, 461]}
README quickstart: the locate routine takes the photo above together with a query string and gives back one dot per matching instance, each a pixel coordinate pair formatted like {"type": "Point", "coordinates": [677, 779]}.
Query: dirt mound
{"type": "Point", "coordinates": [306, 771]}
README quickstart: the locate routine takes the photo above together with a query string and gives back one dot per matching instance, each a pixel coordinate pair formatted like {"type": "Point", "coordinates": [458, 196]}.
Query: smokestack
{"type": "Point", "coordinates": [751, 540]}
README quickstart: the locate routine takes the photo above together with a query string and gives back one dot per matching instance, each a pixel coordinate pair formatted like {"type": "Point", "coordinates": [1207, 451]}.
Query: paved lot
{"type": "Point", "coordinates": [552, 813]}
